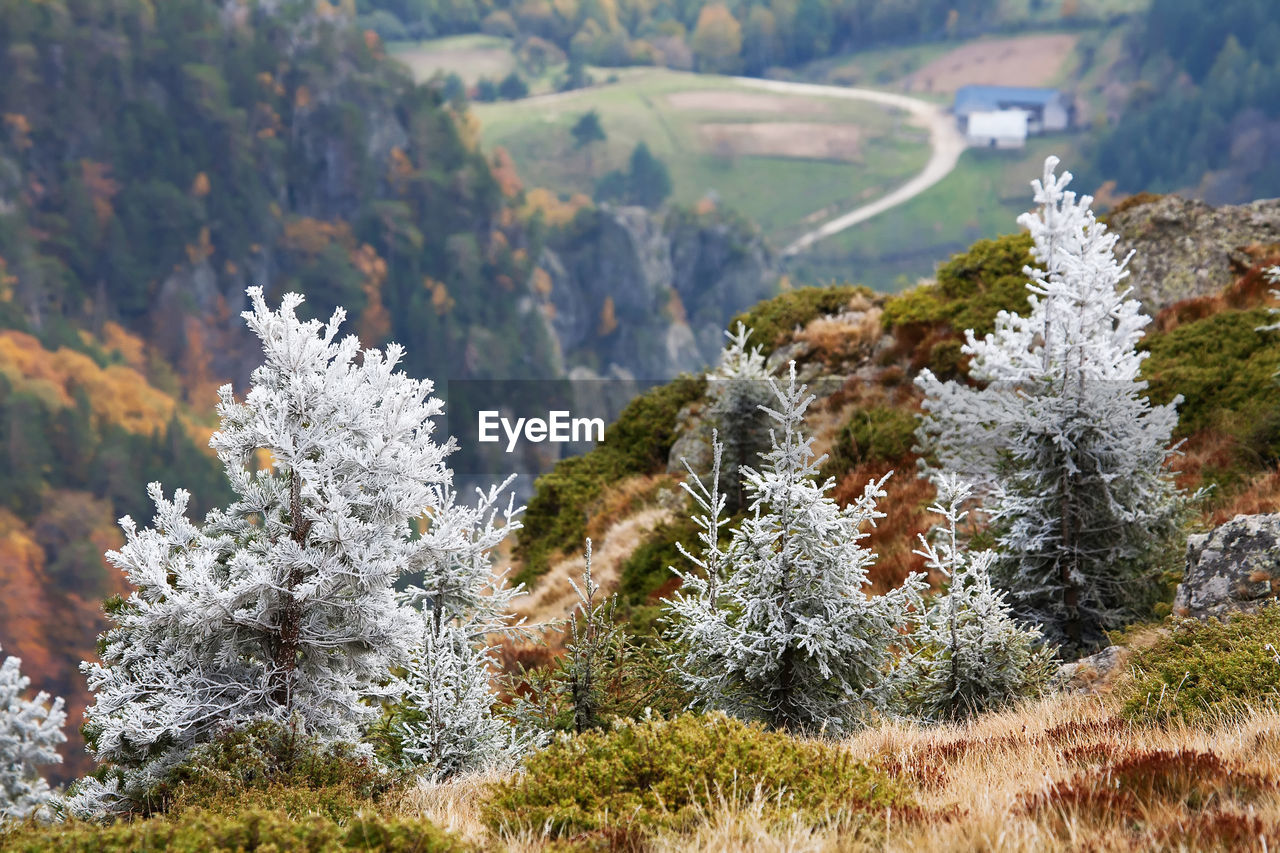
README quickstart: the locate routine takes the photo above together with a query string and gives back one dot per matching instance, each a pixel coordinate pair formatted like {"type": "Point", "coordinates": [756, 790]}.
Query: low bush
{"type": "Point", "coordinates": [873, 434]}
{"type": "Point", "coordinates": [207, 831]}
{"type": "Point", "coordinates": [665, 774]}
{"type": "Point", "coordinates": [294, 772]}
{"type": "Point", "coordinates": [1207, 671]}
{"type": "Point", "coordinates": [972, 288]}
{"type": "Point", "coordinates": [555, 520]}
{"type": "Point", "coordinates": [772, 320]}
{"type": "Point", "coordinates": [1224, 369]}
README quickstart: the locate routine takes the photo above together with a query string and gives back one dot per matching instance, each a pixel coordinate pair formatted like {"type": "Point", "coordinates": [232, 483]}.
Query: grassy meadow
{"type": "Point", "coordinates": [979, 200]}
{"type": "Point", "coordinates": [786, 162]}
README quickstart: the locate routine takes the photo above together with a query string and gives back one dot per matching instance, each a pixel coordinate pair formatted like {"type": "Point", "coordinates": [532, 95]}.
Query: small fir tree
{"type": "Point", "coordinates": [739, 390]}
{"type": "Point", "coordinates": [791, 636]}
{"type": "Point", "coordinates": [282, 606]}
{"type": "Point", "coordinates": [969, 654]}
{"type": "Point", "coordinates": [30, 734]}
{"type": "Point", "coordinates": [444, 723]}
{"type": "Point", "coordinates": [1073, 457]}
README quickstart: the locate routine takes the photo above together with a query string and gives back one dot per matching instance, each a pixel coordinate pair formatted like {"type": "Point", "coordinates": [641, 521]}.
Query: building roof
{"type": "Point", "coordinates": [971, 99]}
{"type": "Point", "coordinates": [1002, 124]}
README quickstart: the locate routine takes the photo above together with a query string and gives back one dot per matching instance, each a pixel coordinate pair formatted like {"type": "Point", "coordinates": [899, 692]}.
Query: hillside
{"type": "Point", "coordinates": [1199, 272]}
{"type": "Point", "coordinates": [1165, 741]}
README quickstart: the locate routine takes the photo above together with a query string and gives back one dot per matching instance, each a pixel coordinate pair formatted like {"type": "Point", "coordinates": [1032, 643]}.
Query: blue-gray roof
{"type": "Point", "coordinates": [973, 98]}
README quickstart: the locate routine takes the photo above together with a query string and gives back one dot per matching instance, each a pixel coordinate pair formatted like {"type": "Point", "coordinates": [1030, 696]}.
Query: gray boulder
{"type": "Point", "coordinates": [1233, 568]}
{"type": "Point", "coordinates": [1186, 248]}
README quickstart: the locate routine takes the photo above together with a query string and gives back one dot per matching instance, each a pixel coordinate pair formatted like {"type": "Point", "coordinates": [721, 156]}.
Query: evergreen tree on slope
{"type": "Point", "coordinates": [970, 655]}
{"type": "Point", "coordinates": [739, 388]}
{"type": "Point", "coordinates": [791, 636]}
{"type": "Point", "coordinates": [444, 723]}
{"type": "Point", "coordinates": [281, 606]}
{"type": "Point", "coordinates": [30, 733]}
{"type": "Point", "coordinates": [1073, 456]}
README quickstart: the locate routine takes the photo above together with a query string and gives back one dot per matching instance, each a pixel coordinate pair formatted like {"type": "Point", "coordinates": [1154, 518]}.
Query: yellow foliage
{"type": "Point", "coordinates": [202, 249]}
{"type": "Point", "coordinates": [375, 322]}
{"type": "Point", "coordinates": [504, 172]}
{"type": "Point", "coordinates": [373, 42]}
{"type": "Point", "coordinates": [7, 281]}
{"type": "Point", "coordinates": [608, 318]}
{"type": "Point", "coordinates": [705, 206]}
{"type": "Point", "coordinates": [312, 236]}
{"type": "Point", "coordinates": [540, 281]}
{"type": "Point", "coordinates": [468, 129]}
{"type": "Point", "coordinates": [554, 212]}
{"type": "Point", "coordinates": [101, 188]}
{"type": "Point", "coordinates": [302, 97]}
{"type": "Point", "coordinates": [19, 129]}
{"type": "Point", "coordinates": [117, 393]}
{"type": "Point", "coordinates": [440, 298]}
{"type": "Point", "coordinates": [399, 169]}
{"type": "Point", "coordinates": [115, 338]}
{"type": "Point", "coordinates": [200, 186]}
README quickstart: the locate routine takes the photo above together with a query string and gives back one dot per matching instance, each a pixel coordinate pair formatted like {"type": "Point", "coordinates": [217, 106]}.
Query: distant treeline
{"type": "Point", "coordinates": [1205, 114]}
{"type": "Point", "coordinates": [748, 36]}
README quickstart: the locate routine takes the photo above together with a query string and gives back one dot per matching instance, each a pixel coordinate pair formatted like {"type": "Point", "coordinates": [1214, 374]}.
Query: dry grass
{"type": "Point", "coordinates": [553, 599]}
{"type": "Point", "coordinates": [1022, 61]}
{"type": "Point", "coordinates": [804, 140]}
{"type": "Point", "coordinates": [1060, 773]}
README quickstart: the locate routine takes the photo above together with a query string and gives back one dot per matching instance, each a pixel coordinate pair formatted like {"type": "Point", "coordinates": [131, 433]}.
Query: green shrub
{"type": "Point", "coordinates": [656, 773]}
{"type": "Point", "coordinates": [874, 434]}
{"type": "Point", "coordinates": [648, 568]}
{"type": "Point", "coordinates": [772, 320]}
{"type": "Point", "coordinates": [1205, 671]}
{"type": "Point", "coordinates": [293, 772]}
{"type": "Point", "coordinates": [972, 288]}
{"type": "Point", "coordinates": [1222, 366]}
{"type": "Point", "coordinates": [637, 443]}
{"type": "Point", "coordinates": [206, 831]}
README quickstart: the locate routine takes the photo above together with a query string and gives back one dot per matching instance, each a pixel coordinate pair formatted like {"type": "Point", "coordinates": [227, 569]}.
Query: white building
{"type": "Point", "coordinates": [997, 129]}
{"type": "Point", "coordinates": [1048, 110]}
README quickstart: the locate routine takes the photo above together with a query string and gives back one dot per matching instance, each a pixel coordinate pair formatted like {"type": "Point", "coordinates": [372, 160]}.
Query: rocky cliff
{"type": "Point", "coordinates": [637, 294]}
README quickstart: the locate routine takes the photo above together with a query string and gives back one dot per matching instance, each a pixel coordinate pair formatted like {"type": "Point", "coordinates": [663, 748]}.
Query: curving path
{"type": "Point", "coordinates": [944, 137]}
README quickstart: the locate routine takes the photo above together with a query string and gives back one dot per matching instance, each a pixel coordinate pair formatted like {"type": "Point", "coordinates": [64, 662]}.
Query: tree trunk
{"type": "Point", "coordinates": [286, 651]}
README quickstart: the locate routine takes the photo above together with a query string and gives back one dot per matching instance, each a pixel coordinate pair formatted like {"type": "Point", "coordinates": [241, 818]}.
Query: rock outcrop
{"type": "Point", "coordinates": [1235, 567]}
{"type": "Point", "coordinates": [651, 296]}
{"type": "Point", "coordinates": [1186, 248]}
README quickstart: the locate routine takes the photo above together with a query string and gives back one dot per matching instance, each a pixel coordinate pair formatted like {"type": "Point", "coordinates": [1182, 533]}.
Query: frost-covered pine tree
{"type": "Point", "coordinates": [969, 655]}
{"type": "Point", "coordinates": [283, 605]}
{"type": "Point", "coordinates": [30, 734]}
{"type": "Point", "coordinates": [790, 635]}
{"type": "Point", "coordinates": [1073, 457]}
{"type": "Point", "coordinates": [444, 723]}
{"type": "Point", "coordinates": [738, 387]}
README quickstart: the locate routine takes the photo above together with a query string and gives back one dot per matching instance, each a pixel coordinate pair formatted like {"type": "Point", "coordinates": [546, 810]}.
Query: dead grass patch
{"type": "Point", "coordinates": [721, 101]}
{"type": "Point", "coordinates": [799, 140]}
{"type": "Point", "coordinates": [1022, 61]}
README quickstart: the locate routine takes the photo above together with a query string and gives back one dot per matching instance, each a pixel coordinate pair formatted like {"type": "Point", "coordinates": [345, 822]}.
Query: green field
{"type": "Point", "coordinates": [981, 198]}
{"type": "Point", "coordinates": [753, 151]}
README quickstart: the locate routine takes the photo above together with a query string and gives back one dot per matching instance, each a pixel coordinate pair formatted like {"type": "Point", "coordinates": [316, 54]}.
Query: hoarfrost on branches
{"type": "Point", "coordinates": [30, 734]}
{"type": "Point", "coordinates": [1073, 458]}
{"type": "Point", "coordinates": [283, 605]}
{"type": "Point", "coordinates": [738, 387]}
{"type": "Point", "coordinates": [444, 722]}
{"type": "Point", "coordinates": [969, 654]}
{"type": "Point", "coordinates": [789, 634]}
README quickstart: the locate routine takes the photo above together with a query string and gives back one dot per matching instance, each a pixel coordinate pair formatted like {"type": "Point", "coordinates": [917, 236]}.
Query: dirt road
{"type": "Point", "coordinates": [944, 137]}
